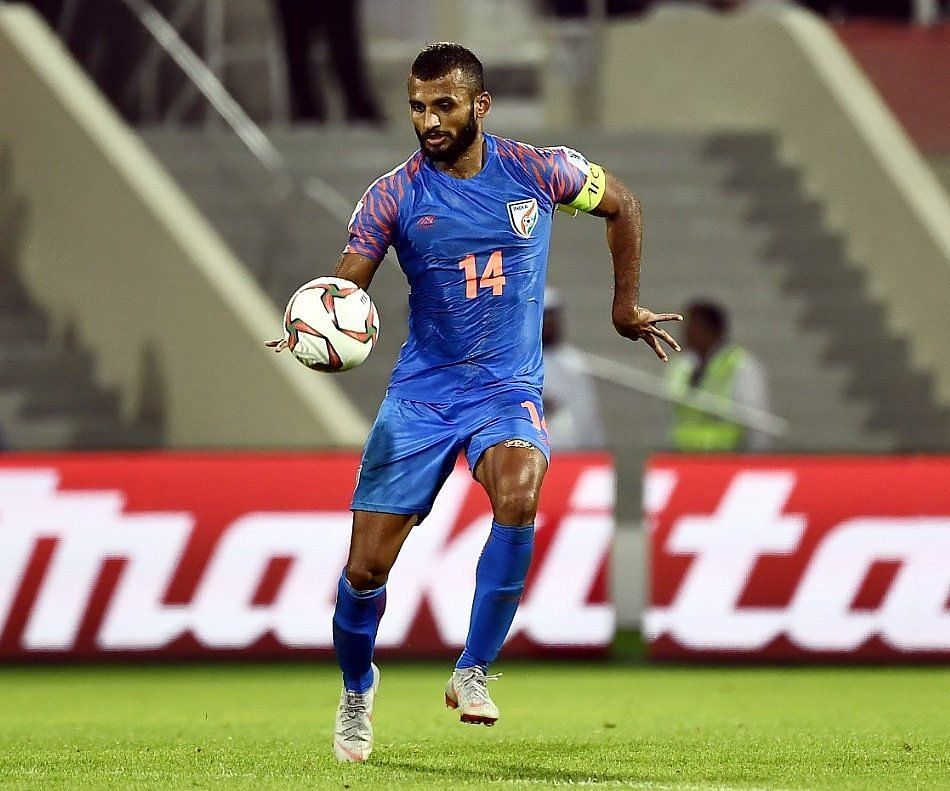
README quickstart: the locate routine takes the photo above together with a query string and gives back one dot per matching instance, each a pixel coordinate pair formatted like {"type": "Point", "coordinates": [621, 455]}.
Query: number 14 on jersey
{"type": "Point", "coordinates": [493, 276]}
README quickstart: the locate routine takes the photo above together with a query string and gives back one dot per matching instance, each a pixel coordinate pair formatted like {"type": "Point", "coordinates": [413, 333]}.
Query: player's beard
{"type": "Point", "coordinates": [457, 144]}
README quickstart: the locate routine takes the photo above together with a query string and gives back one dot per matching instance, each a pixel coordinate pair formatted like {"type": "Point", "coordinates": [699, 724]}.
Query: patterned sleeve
{"type": "Point", "coordinates": [373, 224]}
{"type": "Point", "coordinates": [566, 173]}
{"type": "Point", "coordinates": [573, 180]}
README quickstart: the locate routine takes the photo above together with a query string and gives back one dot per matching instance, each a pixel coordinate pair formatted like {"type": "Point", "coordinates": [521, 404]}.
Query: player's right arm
{"type": "Point", "coordinates": [357, 268]}
{"type": "Point", "coordinates": [371, 231]}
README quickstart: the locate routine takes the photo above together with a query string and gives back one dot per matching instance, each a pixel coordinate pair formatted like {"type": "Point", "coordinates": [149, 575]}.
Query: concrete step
{"type": "Point", "coordinates": [12, 298]}
{"type": "Point", "coordinates": [81, 398]}
{"type": "Point", "coordinates": [23, 324]}
{"type": "Point", "coordinates": [50, 434]}
{"type": "Point", "coordinates": [49, 399]}
{"type": "Point", "coordinates": [103, 433]}
{"type": "Point", "coordinates": [70, 432]}
{"type": "Point", "coordinates": [41, 364]}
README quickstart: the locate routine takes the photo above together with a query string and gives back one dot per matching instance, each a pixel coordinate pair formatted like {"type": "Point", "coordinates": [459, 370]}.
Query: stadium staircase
{"type": "Point", "coordinates": [49, 397]}
{"type": "Point", "coordinates": [724, 219]}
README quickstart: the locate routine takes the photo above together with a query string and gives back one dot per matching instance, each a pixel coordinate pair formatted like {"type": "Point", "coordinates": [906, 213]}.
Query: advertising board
{"type": "Point", "coordinates": [194, 555]}
{"type": "Point", "coordinates": [772, 558]}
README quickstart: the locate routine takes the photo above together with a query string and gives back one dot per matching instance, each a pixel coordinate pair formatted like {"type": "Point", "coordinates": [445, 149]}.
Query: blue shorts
{"type": "Point", "coordinates": [413, 446]}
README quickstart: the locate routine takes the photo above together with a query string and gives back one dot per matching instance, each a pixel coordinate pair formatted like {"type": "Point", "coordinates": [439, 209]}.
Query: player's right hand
{"type": "Point", "coordinates": [278, 345]}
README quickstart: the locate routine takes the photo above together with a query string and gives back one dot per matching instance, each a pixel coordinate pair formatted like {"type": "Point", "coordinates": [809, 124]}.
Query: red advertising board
{"type": "Point", "coordinates": [192, 555]}
{"type": "Point", "coordinates": [828, 559]}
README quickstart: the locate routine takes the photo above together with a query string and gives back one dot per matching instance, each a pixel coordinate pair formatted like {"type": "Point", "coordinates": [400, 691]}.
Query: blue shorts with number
{"type": "Point", "coordinates": [413, 446]}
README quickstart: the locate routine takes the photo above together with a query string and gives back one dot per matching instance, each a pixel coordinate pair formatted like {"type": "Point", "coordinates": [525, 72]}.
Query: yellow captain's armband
{"type": "Point", "coordinates": [593, 190]}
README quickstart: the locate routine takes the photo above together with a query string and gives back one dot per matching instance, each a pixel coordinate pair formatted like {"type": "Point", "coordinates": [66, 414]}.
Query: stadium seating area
{"type": "Point", "coordinates": [723, 218]}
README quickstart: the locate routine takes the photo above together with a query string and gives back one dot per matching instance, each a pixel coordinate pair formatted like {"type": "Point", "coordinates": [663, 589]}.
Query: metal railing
{"type": "Point", "coordinates": [218, 97]}
{"type": "Point", "coordinates": [208, 84]}
{"type": "Point", "coordinates": [633, 378]}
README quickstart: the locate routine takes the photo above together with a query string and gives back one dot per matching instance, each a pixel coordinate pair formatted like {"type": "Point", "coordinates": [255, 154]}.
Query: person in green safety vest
{"type": "Point", "coordinates": [719, 368]}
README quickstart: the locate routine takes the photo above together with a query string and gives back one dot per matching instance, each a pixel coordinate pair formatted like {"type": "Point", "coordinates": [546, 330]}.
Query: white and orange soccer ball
{"type": "Point", "coordinates": [331, 324]}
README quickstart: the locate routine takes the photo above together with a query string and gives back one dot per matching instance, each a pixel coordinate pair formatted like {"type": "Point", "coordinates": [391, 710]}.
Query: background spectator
{"type": "Point", "coordinates": [717, 367]}
{"type": "Point", "coordinates": [570, 401]}
{"type": "Point", "coordinates": [338, 23]}
{"type": "Point", "coordinates": [106, 38]}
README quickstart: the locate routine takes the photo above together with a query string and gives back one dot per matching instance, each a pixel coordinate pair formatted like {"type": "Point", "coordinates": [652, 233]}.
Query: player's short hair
{"type": "Point", "coordinates": [714, 316]}
{"type": "Point", "coordinates": [437, 60]}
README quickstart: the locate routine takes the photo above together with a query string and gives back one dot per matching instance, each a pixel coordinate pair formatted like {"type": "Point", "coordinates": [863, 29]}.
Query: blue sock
{"type": "Point", "coordinates": [355, 622]}
{"type": "Point", "coordinates": [499, 583]}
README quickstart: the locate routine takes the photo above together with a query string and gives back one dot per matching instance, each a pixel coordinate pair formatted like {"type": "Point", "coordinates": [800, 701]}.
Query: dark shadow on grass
{"type": "Point", "coordinates": [499, 762]}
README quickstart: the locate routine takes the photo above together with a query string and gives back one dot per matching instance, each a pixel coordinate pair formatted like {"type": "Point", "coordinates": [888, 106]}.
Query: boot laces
{"type": "Point", "coordinates": [474, 681]}
{"type": "Point", "coordinates": [354, 710]}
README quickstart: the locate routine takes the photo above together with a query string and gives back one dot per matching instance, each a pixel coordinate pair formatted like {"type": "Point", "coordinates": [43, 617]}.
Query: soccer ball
{"type": "Point", "coordinates": [330, 324]}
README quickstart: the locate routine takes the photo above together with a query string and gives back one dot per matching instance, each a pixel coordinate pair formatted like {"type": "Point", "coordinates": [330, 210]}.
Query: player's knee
{"type": "Point", "coordinates": [366, 575]}
{"type": "Point", "coordinates": [516, 508]}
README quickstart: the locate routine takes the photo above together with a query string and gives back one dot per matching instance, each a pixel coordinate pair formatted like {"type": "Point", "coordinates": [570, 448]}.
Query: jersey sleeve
{"type": "Point", "coordinates": [372, 227]}
{"type": "Point", "coordinates": [574, 181]}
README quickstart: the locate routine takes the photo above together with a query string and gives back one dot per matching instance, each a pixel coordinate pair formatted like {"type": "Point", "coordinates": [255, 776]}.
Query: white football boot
{"type": "Point", "coordinates": [353, 732]}
{"type": "Point", "coordinates": [467, 691]}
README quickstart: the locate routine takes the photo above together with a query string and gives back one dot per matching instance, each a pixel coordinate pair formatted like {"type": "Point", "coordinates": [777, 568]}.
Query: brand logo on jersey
{"type": "Point", "coordinates": [426, 221]}
{"type": "Point", "coordinates": [578, 160]}
{"type": "Point", "coordinates": [524, 216]}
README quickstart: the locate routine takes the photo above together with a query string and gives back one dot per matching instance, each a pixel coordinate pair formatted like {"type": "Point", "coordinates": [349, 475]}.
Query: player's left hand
{"type": "Point", "coordinates": [278, 345]}
{"type": "Point", "coordinates": [639, 324]}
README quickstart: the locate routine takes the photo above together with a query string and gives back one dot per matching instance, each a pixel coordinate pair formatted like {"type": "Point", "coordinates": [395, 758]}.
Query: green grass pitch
{"type": "Point", "coordinates": [617, 726]}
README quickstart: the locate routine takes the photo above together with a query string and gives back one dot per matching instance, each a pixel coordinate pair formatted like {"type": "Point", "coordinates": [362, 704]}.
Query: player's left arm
{"type": "Point", "coordinates": [621, 209]}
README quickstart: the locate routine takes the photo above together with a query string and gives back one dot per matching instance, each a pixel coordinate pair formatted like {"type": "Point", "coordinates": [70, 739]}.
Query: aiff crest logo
{"type": "Point", "coordinates": [524, 216]}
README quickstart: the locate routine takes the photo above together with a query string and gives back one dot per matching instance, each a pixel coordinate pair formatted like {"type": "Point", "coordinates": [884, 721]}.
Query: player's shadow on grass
{"type": "Point", "coordinates": [534, 761]}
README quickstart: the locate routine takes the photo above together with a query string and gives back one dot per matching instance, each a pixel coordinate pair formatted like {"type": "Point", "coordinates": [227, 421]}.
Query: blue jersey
{"type": "Point", "coordinates": [475, 254]}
